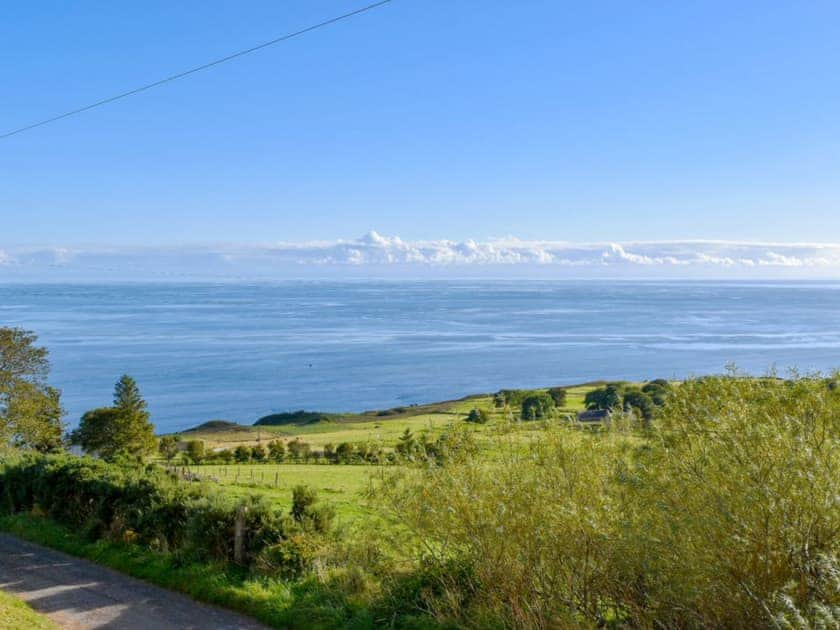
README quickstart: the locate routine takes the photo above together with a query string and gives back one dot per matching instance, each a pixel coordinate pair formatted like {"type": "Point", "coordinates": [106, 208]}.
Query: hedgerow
{"type": "Point", "coordinates": [147, 506]}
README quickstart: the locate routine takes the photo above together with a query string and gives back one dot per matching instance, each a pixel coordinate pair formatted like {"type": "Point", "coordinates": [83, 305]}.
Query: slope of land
{"type": "Point", "coordinates": [376, 426]}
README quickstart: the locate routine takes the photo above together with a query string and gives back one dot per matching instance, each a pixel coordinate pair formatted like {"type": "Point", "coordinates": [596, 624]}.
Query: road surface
{"type": "Point", "coordinates": [77, 594]}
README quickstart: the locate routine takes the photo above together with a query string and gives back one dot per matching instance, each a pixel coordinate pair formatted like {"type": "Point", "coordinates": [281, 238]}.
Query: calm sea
{"type": "Point", "coordinates": [238, 351]}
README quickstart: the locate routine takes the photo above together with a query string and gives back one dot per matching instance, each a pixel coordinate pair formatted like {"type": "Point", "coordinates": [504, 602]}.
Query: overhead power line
{"type": "Point", "coordinates": [205, 66]}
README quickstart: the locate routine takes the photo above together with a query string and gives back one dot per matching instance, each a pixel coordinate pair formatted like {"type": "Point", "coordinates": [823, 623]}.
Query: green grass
{"type": "Point", "coordinates": [16, 615]}
{"type": "Point", "coordinates": [342, 486]}
{"type": "Point", "coordinates": [369, 427]}
{"type": "Point", "coordinates": [308, 603]}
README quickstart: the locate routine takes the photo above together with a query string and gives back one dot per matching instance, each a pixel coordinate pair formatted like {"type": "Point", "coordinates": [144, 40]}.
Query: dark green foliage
{"type": "Point", "coordinates": [258, 453]}
{"type": "Point", "coordinates": [478, 416]}
{"type": "Point", "coordinates": [30, 410]}
{"type": "Point", "coordinates": [299, 450]}
{"type": "Point", "coordinates": [537, 407]}
{"type": "Point", "coordinates": [242, 454]}
{"type": "Point", "coordinates": [308, 513]}
{"type": "Point", "coordinates": [407, 445]}
{"type": "Point", "coordinates": [276, 451]}
{"type": "Point", "coordinates": [195, 451]}
{"type": "Point", "coordinates": [658, 391]}
{"type": "Point", "coordinates": [212, 426]}
{"type": "Point", "coordinates": [225, 455]}
{"type": "Point", "coordinates": [294, 417]}
{"type": "Point", "coordinates": [513, 397]}
{"type": "Point", "coordinates": [634, 399]}
{"type": "Point", "coordinates": [127, 396]}
{"type": "Point", "coordinates": [168, 447]}
{"type": "Point", "coordinates": [607, 397]}
{"type": "Point", "coordinates": [344, 453]}
{"type": "Point", "coordinates": [121, 430]}
{"type": "Point", "coordinates": [143, 504]}
{"type": "Point", "coordinates": [558, 395]}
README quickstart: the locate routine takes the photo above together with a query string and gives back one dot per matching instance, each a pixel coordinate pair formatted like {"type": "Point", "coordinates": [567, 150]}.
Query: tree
{"type": "Point", "coordinates": [407, 445]}
{"type": "Point", "coordinates": [298, 450]}
{"type": "Point", "coordinates": [344, 452]}
{"type": "Point", "coordinates": [537, 407]}
{"type": "Point", "coordinates": [258, 453]}
{"type": "Point", "coordinates": [122, 429]}
{"type": "Point", "coordinates": [329, 452]}
{"type": "Point", "coordinates": [558, 395]}
{"type": "Point", "coordinates": [635, 399]}
{"type": "Point", "coordinates": [658, 391]}
{"type": "Point", "coordinates": [127, 396]}
{"type": "Point", "coordinates": [168, 447]}
{"type": "Point", "coordinates": [242, 454]}
{"type": "Point", "coordinates": [195, 451]}
{"type": "Point", "coordinates": [478, 416]}
{"type": "Point", "coordinates": [30, 410]}
{"type": "Point", "coordinates": [608, 397]}
{"type": "Point", "coordinates": [276, 451]}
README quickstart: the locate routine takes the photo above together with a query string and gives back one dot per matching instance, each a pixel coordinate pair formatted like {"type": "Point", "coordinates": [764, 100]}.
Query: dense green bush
{"type": "Point", "coordinates": [537, 406]}
{"type": "Point", "coordinates": [558, 395]}
{"type": "Point", "coordinates": [145, 505]}
{"type": "Point", "coordinates": [478, 416]}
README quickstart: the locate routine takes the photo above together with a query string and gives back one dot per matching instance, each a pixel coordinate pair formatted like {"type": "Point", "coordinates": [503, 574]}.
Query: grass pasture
{"type": "Point", "coordinates": [339, 485]}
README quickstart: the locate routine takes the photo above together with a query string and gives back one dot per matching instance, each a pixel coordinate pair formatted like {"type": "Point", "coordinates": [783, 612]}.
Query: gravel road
{"type": "Point", "coordinates": [76, 593]}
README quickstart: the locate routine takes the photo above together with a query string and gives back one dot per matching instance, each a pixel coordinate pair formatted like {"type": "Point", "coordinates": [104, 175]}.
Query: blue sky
{"type": "Point", "coordinates": [543, 120]}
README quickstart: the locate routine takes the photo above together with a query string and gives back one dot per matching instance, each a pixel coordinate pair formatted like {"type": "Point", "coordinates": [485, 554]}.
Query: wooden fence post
{"type": "Point", "coordinates": [239, 534]}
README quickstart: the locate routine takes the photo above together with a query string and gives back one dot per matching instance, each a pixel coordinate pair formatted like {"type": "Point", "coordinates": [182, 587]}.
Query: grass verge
{"type": "Point", "coordinates": [307, 603]}
{"type": "Point", "coordinates": [16, 614]}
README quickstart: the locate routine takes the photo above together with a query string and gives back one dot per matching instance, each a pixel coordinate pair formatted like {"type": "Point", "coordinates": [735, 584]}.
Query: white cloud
{"type": "Point", "coordinates": [670, 258]}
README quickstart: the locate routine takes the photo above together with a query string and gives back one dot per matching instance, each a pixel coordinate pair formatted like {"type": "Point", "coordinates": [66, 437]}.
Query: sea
{"type": "Point", "coordinates": [238, 350]}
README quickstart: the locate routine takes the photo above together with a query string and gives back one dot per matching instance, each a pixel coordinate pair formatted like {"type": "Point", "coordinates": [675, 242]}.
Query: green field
{"type": "Point", "coordinates": [342, 486]}
{"type": "Point", "coordinates": [377, 428]}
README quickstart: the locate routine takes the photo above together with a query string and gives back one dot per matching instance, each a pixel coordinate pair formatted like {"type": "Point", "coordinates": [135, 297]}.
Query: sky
{"type": "Point", "coordinates": [526, 131]}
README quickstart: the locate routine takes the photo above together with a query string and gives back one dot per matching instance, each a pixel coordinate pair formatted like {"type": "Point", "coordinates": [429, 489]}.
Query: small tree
{"type": "Point", "coordinates": [168, 447]}
{"type": "Point", "coordinates": [478, 416]}
{"type": "Point", "coordinates": [276, 451]}
{"type": "Point", "coordinates": [558, 395]}
{"type": "Point", "coordinates": [195, 451]}
{"type": "Point", "coordinates": [658, 391]}
{"type": "Point", "coordinates": [637, 400]}
{"type": "Point", "coordinates": [298, 450]}
{"type": "Point", "coordinates": [123, 429]}
{"type": "Point", "coordinates": [242, 454]}
{"type": "Point", "coordinates": [258, 453]}
{"type": "Point", "coordinates": [608, 397]}
{"type": "Point", "coordinates": [329, 452]}
{"type": "Point", "coordinates": [537, 407]}
{"type": "Point", "coordinates": [407, 445]}
{"type": "Point", "coordinates": [344, 452]}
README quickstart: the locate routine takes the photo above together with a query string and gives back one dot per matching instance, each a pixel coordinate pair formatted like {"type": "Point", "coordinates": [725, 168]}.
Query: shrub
{"type": "Point", "coordinates": [634, 399]}
{"type": "Point", "coordinates": [558, 395]}
{"type": "Point", "coordinates": [150, 507]}
{"type": "Point", "coordinates": [478, 416]}
{"type": "Point", "coordinates": [725, 517]}
{"type": "Point", "coordinates": [607, 397]}
{"type": "Point", "coordinates": [537, 407]}
{"type": "Point", "coordinates": [195, 451]}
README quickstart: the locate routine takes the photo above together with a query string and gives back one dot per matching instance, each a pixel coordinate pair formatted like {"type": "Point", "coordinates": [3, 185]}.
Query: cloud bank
{"type": "Point", "coordinates": [374, 253]}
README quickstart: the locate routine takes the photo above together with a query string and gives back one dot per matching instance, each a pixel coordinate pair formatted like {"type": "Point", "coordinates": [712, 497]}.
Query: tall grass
{"type": "Point", "coordinates": [725, 515]}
